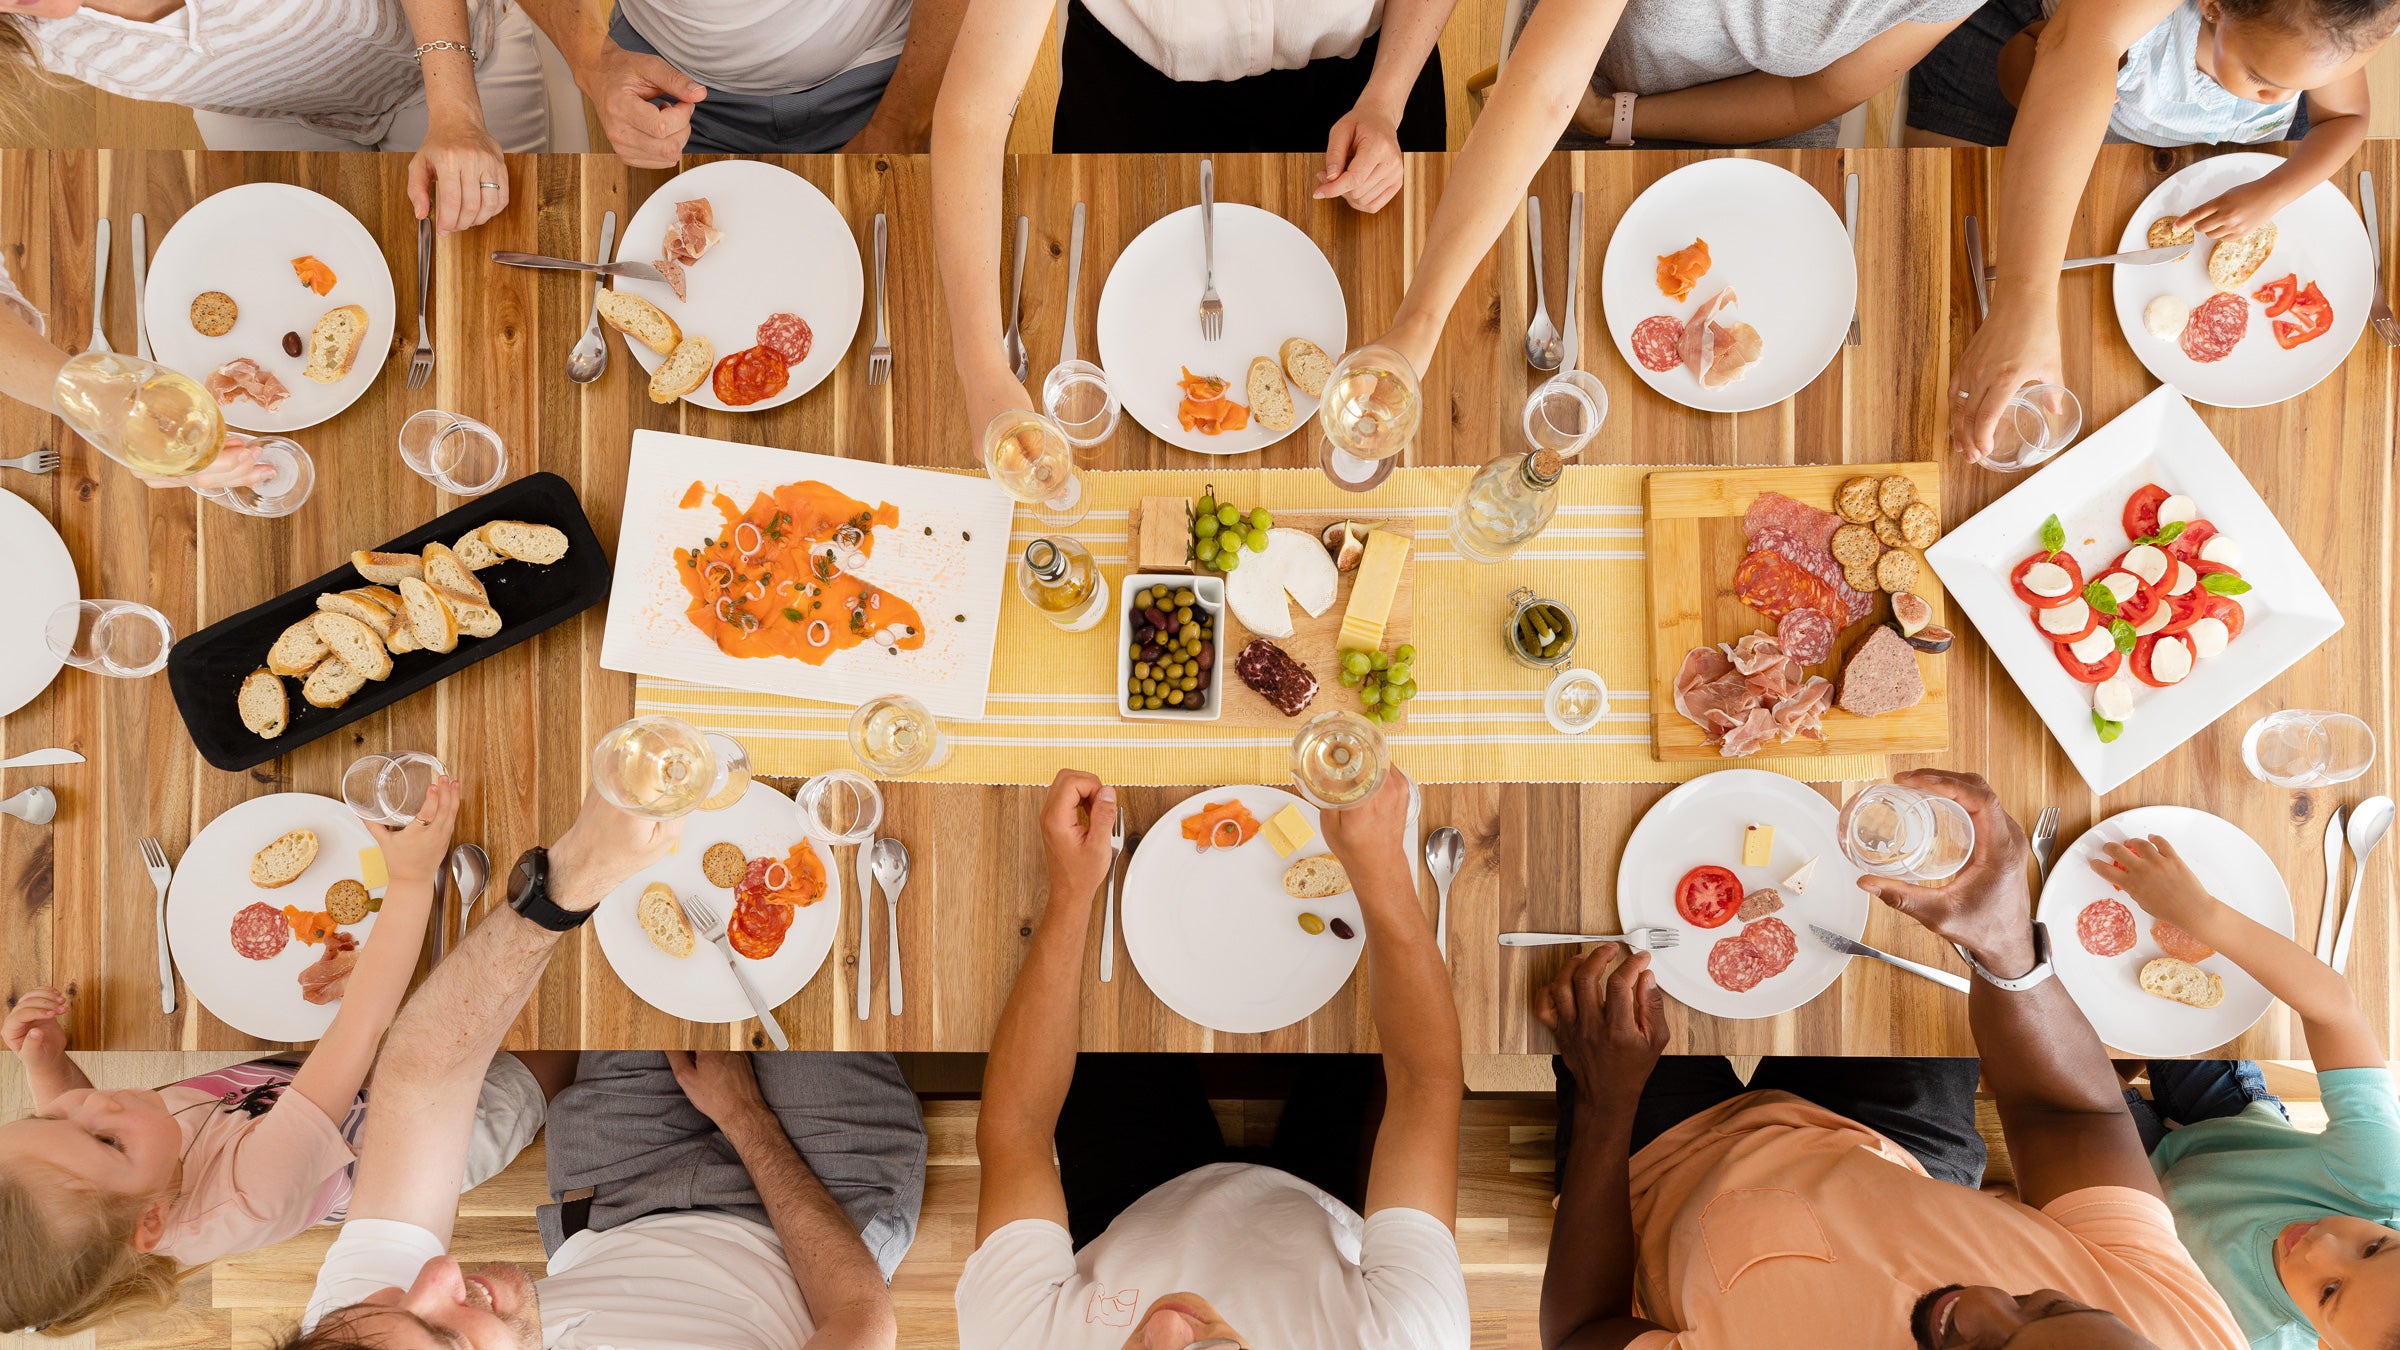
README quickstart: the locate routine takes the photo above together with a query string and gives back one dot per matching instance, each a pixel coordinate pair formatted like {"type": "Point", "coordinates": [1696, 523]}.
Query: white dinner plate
{"type": "Point", "coordinates": [1702, 822]}
{"type": "Point", "coordinates": [41, 577]}
{"type": "Point", "coordinates": [786, 249]}
{"type": "Point", "coordinates": [701, 987]}
{"type": "Point", "coordinates": [2108, 988]}
{"type": "Point", "coordinates": [1274, 283]}
{"type": "Point", "coordinates": [2318, 238]}
{"type": "Point", "coordinates": [242, 241]}
{"type": "Point", "coordinates": [1771, 237]}
{"type": "Point", "coordinates": [2158, 440]}
{"type": "Point", "coordinates": [1212, 932]}
{"type": "Point", "coordinates": [212, 884]}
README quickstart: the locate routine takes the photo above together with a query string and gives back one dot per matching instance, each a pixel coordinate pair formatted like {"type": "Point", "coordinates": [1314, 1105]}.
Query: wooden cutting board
{"type": "Point", "coordinates": [1314, 642]}
{"type": "Point", "coordinates": [1692, 522]}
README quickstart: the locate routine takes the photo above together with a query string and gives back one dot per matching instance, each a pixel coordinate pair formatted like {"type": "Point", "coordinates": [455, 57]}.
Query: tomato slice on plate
{"type": "Point", "coordinates": [2278, 295]}
{"type": "Point", "coordinates": [1708, 895]}
{"type": "Point", "coordinates": [2186, 546]}
{"type": "Point", "coordinates": [2144, 648]}
{"type": "Point", "coordinates": [2185, 610]}
{"type": "Point", "coordinates": [2096, 673]}
{"type": "Point", "coordinates": [2141, 510]}
{"type": "Point", "coordinates": [2066, 560]}
{"type": "Point", "coordinates": [2145, 601]}
{"type": "Point", "coordinates": [2308, 317]}
{"type": "Point", "coordinates": [2229, 611]}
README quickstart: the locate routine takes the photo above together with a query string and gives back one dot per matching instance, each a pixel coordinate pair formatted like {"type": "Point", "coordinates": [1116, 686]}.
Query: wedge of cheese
{"type": "Point", "coordinates": [1288, 831]}
{"type": "Point", "coordinates": [1372, 591]}
{"type": "Point", "coordinates": [1758, 845]}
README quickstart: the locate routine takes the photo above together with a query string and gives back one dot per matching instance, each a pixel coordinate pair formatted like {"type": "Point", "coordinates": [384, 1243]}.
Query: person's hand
{"type": "Point", "coordinates": [2016, 346]}
{"type": "Point", "coordinates": [1077, 821]}
{"type": "Point", "coordinates": [237, 465]}
{"type": "Point", "coordinates": [1369, 837]}
{"type": "Point", "coordinates": [2235, 210]}
{"type": "Point", "coordinates": [413, 853]}
{"type": "Point", "coordinates": [720, 1083]}
{"type": "Point", "coordinates": [1362, 161]}
{"type": "Point", "coordinates": [2158, 879]}
{"type": "Point", "coordinates": [31, 1030]}
{"type": "Point", "coordinates": [604, 846]}
{"type": "Point", "coordinates": [991, 389]}
{"type": "Point", "coordinates": [1610, 1030]}
{"type": "Point", "coordinates": [1986, 908]}
{"type": "Point", "coordinates": [624, 86]}
{"type": "Point", "coordinates": [446, 176]}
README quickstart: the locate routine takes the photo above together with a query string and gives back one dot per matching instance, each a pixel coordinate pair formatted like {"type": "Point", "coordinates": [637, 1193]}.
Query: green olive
{"type": "Point", "coordinates": [1311, 924]}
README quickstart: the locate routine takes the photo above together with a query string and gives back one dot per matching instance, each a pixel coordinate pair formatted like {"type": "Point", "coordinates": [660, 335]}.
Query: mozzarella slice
{"type": "Point", "coordinates": [2209, 637]}
{"type": "Point", "coordinates": [2122, 585]}
{"type": "Point", "coordinates": [2093, 647]}
{"type": "Point", "coordinates": [2178, 508]}
{"type": "Point", "coordinates": [2222, 551]}
{"type": "Point", "coordinates": [2158, 619]}
{"type": "Point", "coordinates": [2185, 579]}
{"type": "Point", "coordinates": [2170, 661]}
{"type": "Point", "coordinates": [2146, 562]}
{"type": "Point", "coordinates": [2067, 619]}
{"type": "Point", "coordinates": [2049, 580]}
{"type": "Point", "coordinates": [2113, 699]}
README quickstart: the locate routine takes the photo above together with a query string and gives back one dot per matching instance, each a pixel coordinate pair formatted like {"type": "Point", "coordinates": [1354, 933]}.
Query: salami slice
{"type": "Point", "coordinates": [260, 931]}
{"type": "Point", "coordinates": [1759, 904]}
{"type": "Point", "coordinates": [1736, 965]}
{"type": "Point", "coordinates": [1658, 342]}
{"type": "Point", "coordinates": [1819, 562]}
{"type": "Point", "coordinates": [1805, 635]}
{"type": "Point", "coordinates": [2179, 944]}
{"type": "Point", "coordinates": [2215, 325]}
{"type": "Point", "coordinates": [1774, 510]}
{"type": "Point", "coordinates": [749, 375]}
{"type": "Point", "coordinates": [788, 336]}
{"type": "Point", "coordinates": [2105, 927]}
{"type": "Point", "coordinates": [1775, 586]}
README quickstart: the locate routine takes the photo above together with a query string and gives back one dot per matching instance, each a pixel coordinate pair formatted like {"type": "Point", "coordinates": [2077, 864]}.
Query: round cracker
{"type": "Point", "coordinates": [723, 864]}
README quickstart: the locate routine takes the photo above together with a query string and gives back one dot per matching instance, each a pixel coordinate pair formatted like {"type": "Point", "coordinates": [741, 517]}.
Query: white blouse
{"type": "Point", "coordinates": [1194, 40]}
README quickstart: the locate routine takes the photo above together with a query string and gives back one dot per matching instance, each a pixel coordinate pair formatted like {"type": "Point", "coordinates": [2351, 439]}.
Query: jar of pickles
{"type": "Point", "coordinates": [1540, 633]}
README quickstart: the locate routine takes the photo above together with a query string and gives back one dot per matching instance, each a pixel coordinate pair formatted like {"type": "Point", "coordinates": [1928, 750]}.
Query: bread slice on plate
{"type": "Point", "coordinates": [2183, 982]}
{"type": "Point", "coordinates": [2162, 233]}
{"type": "Point", "coordinates": [386, 569]}
{"type": "Point", "coordinates": [445, 571]}
{"type": "Point", "coordinates": [403, 639]}
{"type": "Point", "coordinates": [358, 646]}
{"type": "Point", "coordinates": [684, 370]}
{"type": "Point", "coordinates": [333, 344]}
{"type": "Point", "coordinates": [1307, 364]}
{"type": "Point", "coordinates": [266, 709]}
{"type": "Point", "coordinates": [297, 652]}
{"type": "Point", "coordinates": [473, 550]}
{"type": "Point", "coordinates": [1270, 402]}
{"type": "Point", "coordinates": [383, 596]}
{"type": "Point", "coordinates": [640, 320]}
{"type": "Point", "coordinates": [1315, 878]}
{"type": "Point", "coordinates": [280, 863]}
{"type": "Point", "coordinates": [526, 542]}
{"type": "Point", "coordinates": [662, 920]}
{"type": "Point", "coordinates": [429, 616]}
{"type": "Point", "coordinates": [365, 609]}
{"type": "Point", "coordinates": [2233, 261]}
{"type": "Point", "coordinates": [332, 683]}
{"type": "Point", "coordinates": [475, 618]}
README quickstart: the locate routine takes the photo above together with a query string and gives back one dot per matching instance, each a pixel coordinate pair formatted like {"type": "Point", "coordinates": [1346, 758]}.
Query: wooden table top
{"type": "Point", "coordinates": [517, 727]}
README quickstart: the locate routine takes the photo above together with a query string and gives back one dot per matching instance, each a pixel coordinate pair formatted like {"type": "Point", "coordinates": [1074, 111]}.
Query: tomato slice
{"type": "Point", "coordinates": [2097, 673]}
{"type": "Point", "coordinates": [2308, 317]}
{"type": "Point", "coordinates": [2074, 569]}
{"type": "Point", "coordinates": [2185, 610]}
{"type": "Point", "coordinates": [2279, 294]}
{"type": "Point", "coordinates": [2146, 600]}
{"type": "Point", "coordinates": [2186, 546]}
{"type": "Point", "coordinates": [2141, 510]}
{"type": "Point", "coordinates": [2144, 647]}
{"type": "Point", "coordinates": [2228, 610]}
{"type": "Point", "coordinates": [1708, 895]}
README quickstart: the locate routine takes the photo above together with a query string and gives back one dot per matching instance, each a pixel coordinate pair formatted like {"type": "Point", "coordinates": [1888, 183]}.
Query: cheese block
{"type": "Point", "coordinates": [1758, 845]}
{"type": "Point", "coordinates": [372, 873]}
{"type": "Point", "coordinates": [1797, 882]}
{"type": "Point", "coordinates": [1287, 832]}
{"type": "Point", "coordinates": [1372, 590]}
{"type": "Point", "coordinates": [1163, 539]}
{"type": "Point", "coordinates": [1293, 566]}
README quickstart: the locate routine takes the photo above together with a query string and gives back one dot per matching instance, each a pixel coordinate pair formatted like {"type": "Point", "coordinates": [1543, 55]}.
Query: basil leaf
{"type": "Point", "coordinates": [2108, 730]}
{"type": "Point", "coordinates": [2100, 598]}
{"type": "Point", "coordinates": [2167, 534]}
{"type": "Point", "coordinates": [2122, 632]}
{"type": "Point", "coordinates": [2054, 536]}
{"type": "Point", "coordinates": [2224, 583]}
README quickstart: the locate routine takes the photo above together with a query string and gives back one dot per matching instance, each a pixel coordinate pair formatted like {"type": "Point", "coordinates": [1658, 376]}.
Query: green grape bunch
{"type": "Point", "coordinates": [1385, 681]}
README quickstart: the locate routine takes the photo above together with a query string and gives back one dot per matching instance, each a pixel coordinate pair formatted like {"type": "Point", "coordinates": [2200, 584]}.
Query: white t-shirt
{"type": "Point", "coordinates": [1233, 39]}
{"type": "Point", "coordinates": [15, 299]}
{"type": "Point", "coordinates": [663, 1282]}
{"type": "Point", "coordinates": [1282, 1261]}
{"type": "Point", "coordinates": [769, 46]}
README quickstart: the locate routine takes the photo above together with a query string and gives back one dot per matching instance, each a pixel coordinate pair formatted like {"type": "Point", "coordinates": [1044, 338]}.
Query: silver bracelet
{"type": "Point", "coordinates": [444, 46]}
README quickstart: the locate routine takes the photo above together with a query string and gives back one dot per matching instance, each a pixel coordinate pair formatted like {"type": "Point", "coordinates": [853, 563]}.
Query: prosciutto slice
{"type": "Point", "coordinates": [324, 980]}
{"type": "Point", "coordinates": [1718, 351]}
{"type": "Point", "coordinates": [693, 233]}
{"type": "Point", "coordinates": [244, 378]}
{"type": "Point", "coordinates": [1748, 693]}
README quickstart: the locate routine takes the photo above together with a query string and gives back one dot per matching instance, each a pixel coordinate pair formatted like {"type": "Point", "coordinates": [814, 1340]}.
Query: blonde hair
{"type": "Point", "coordinates": [88, 1271]}
{"type": "Point", "coordinates": [21, 75]}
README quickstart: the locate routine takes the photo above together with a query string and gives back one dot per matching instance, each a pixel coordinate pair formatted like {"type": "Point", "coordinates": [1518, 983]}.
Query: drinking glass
{"type": "Point", "coordinates": [295, 476]}
{"type": "Point", "coordinates": [1339, 759]}
{"type": "Point", "coordinates": [1368, 414]}
{"type": "Point", "coordinates": [2302, 748]}
{"type": "Point", "coordinates": [1564, 413]}
{"type": "Point", "coordinates": [1029, 456]}
{"type": "Point", "coordinates": [112, 637]}
{"type": "Point", "coordinates": [1077, 397]}
{"type": "Point", "coordinates": [839, 806]}
{"type": "Point", "coordinates": [390, 789]}
{"type": "Point", "coordinates": [1895, 831]}
{"type": "Point", "coordinates": [2038, 423]}
{"type": "Point", "coordinates": [457, 454]}
{"type": "Point", "coordinates": [894, 736]}
{"type": "Point", "coordinates": [663, 767]}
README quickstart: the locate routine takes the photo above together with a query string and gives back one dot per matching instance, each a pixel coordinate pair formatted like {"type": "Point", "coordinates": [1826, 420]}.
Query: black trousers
{"type": "Point", "coordinates": [1111, 101]}
{"type": "Point", "coordinates": [1132, 1123]}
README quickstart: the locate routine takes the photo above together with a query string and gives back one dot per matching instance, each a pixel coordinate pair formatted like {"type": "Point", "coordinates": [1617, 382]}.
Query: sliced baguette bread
{"type": "Point", "coordinates": [2162, 233]}
{"type": "Point", "coordinates": [1270, 402]}
{"type": "Point", "coordinates": [2232, 262]}
{"type": "Point", "coordinates": [266, 709]}
{"type": "Point", "coordinates": [2183, 982]}
{"type": "Point", "coordinates": [357, 646]}
{"type": "Point", "coordinates": [472, 549]}
{"type": "Point", "coordinates": [526, 543]}
{"type": "Point", "coordinates": [640, 320]}
{"type": "Point", "coordinates": [1315, 878]}
{"type": "Point", "coordinates": [662, 920]}
{"type": "Point", "coordinates": [332, 683]}
{"type": "Point", "coordinates": [685, 369]}
{"type": "Point", "coordinates": [475, 618]}
{"type": "Point", "coordinates": [384, 597]}
{"type": "Point", "coordinates": [403, 639]}
{"type": "Point", "coordinates": [333, 344]}
{"type": "Point", "coordinates": [429, 616]}
{"type": "Point", "coordinates": [386, 569]}
{"type": "Point", "coordinates": [297, 652]}
{"type": "Point", "coordinates": [350, 604]}
{"type": "Point", "coordinates": [445, 571]}
{"type": "Point", "coordinates": [281, 862]}
{"type": "Point", "coordinates": [1308, 365]}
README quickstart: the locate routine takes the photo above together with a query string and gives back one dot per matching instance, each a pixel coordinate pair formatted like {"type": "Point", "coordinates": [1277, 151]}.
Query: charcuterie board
{"type": "Point", "coordinates": [1694, 541]}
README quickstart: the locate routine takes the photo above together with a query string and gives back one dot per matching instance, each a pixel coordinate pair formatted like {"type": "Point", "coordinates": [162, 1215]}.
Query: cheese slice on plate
{"type": "Point", "coordinates": [1372, 590]}
{"type": "Point", "coordinates": [1758, 845]}
{"type": "Point", "coordinates": [1797, 882]}
{"type": "Point", "coordinates": [1293, 566]}
{"type": "Point", "coordinates": [1288, 831]}
{"type": "Point", "coordinates": [372, 874]}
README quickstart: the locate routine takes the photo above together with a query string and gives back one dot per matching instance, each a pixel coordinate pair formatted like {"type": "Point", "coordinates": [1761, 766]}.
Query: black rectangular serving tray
{"type": "Point", "coordinates": [206, 670]}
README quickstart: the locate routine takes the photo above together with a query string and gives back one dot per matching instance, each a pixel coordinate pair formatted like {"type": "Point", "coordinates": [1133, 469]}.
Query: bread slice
{"type": "Point", "coordinates": [332, 683]}
{"type": "Point", "coordinates": [1315, 878]}
{"type": "Point", "coordinates": [444, 571]}
{"type": "Point", "coordinates": [402, 641]}
{"type": "Point", "coordinates": [662, 920]}
{"type": "Point", "coordinates": [386, 569]}
{"type": "Point", "coordinates": [2232, 262]}
{"type": "Point", "coordinates": [382, 597]}
{"type": "Point", "coordinates": [1270, 402]}
{"type": "Point", "coordinates": [429, 616]}
{"type": "Point", "coordinates": [297, 652]}
{"type": "Point", "coordinates": [351, 604]}
{"type": "Point", "coordinates": [333, 344]}
{"type": "Point", "coordinates": [525, 542]}
{"type": "Point", "coordinates": [264, 706]}
{"type": "Point", "coordinates": [2162, 233]}
{"type": "Point", "coordinates": [281, 862]}
{"type": "Point", "coordinates": [2183, 982]}
{"type": "Point", "coordinates": [472, 549]}
{"type": "Point", "coordinates": [358, 646]}
{"type": "Point", "coordinates": [640, 320]}
{"type": "Point", "coordinates": [475, 618]}
{"type": "Point", "coordinates": [684, 370]}
{"type": "Point", "coordinates": [1308, 365]}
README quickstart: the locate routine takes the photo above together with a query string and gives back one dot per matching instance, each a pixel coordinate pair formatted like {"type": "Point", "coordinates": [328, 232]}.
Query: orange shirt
{"type": "Point", "coordinates": [1770, 1221]}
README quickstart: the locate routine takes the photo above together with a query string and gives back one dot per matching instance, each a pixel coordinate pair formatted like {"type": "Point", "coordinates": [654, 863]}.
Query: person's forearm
{"type": "Point", "coordinates": [2339, 1035]}
{"type": "Point", "coordinates": [905, 112]}
{"type": "Point", "coordinates": [62, 1074]}
{"type": "Point", "coordinates": [1032, 1059]}
{"type": "Point", "coordinates": [339, 1063]}
{"type": "Point", "coordinates": [578, 28]}
{"type": "Point", "coordinates": [2039, 1051]}
{"type": "Point", "coordinates": [29, 364]}
{"type": "Point", "coordinates": [465, 1006]}
{"type": "Point", "coordinates": [2329, 144]}
{"type": "Point", "coordinates": [1739, 110]}
{"type": "Point", "coordinates": [2061, 121]}
{"type": "Point", "coordinates": [1408, 988]}
{"type": "Point", "coordinates": [1589, 1278]}
{"type": "Point", "coordinates": [994, 50]}
{"type": "Point", "coordinates": [449, 75]}
{"type": "Point", "coordinates": [1410, 31]}
{"type": "Point", "coordinates": [838, 1277]}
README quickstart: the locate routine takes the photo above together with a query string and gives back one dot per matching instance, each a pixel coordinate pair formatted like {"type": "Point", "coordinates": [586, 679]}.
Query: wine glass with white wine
{"type": "Point", "coordinates": [664, 768]}
{"type": "Point", "coordinates": [165, 424]}
{"type": "Point", "coordinates": [1369, 415]}
{"type": "Point", "coordinates": [1029, 456]}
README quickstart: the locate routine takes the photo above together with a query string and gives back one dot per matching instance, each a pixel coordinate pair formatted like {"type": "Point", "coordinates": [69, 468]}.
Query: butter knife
{"type": "Point", "coordinates": [866, 914]}
{"type": "Point", "coordinates": [1856, 948]}
{"type": "Point", "coordinates": [1977, 272]}
{"type": "Point", "coordinates": [638, 271]}
{"type": "Point", "coordinates": [1571, 350]}
{"type": "Point", "coordinates": [141, 279]}
{"type": "Point", "coordinates": [1850, 224]}
{"type": "Point", "coordinates": [2335, 842]}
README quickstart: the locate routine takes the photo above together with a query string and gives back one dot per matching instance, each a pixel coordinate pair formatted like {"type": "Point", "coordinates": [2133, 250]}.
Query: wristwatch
{"type": "Point", "coordinates": [529, 894]}
{"type": "Point", "coordinates": [2041, 965]}
{"type": "Point", "coordinates": [1620, 131]}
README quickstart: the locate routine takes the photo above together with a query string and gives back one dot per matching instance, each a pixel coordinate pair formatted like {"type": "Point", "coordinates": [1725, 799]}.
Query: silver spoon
{"type": "Point", "coordinates": [470, 870]}
{"type": "Point", "coordinates": [2368, 821]}
{"type": "Point", "coordinates": [1543, 351]}
{"type": "Point", "coordinates": [34, 806]}
{"type": "Point", "coordinates": [891, 873]}
{"type": "Point", "coordinates": [1443, 850]}
{"type": "Point", "coordinates": [590, 358]}
{"type": "Point", "coordinates": [1013, 341]}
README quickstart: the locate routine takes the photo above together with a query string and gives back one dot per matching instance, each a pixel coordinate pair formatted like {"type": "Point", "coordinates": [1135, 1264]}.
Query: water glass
{"type": "Point", "coordinates": [457, 454]}
{"type": "Point", "coordinates": [1899, 832]}
{"type": "Point", "coordinates": [894, 736]}
{"type": "Point", "coordinates": [1339, 759]}
{"type": "Point", "coordinates": [1078, 399]}
{"type": "Point", "coordinates": [1368, 415]}
{"type": "Point", "coordinates": [839, 806]}
{"type": "Point", "coordinates": [294, 477]}
{"type": "Point", "coordinates": [2038, 423]}
{"type": "Point", "coordinates": [2302, 748]}
{"type": "Point", "coordinates": [112, 637]}
{"type": "Point", "coordinates": [390, 789]}
{"type": "Point", "coordinates": [1029, 456]}
{"type": "Point", "coordinates": [1564, 413]}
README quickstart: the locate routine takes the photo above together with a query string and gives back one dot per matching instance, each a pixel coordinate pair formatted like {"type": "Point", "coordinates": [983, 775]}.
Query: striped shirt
{"type": "Point", "coordinates": [340, 66]}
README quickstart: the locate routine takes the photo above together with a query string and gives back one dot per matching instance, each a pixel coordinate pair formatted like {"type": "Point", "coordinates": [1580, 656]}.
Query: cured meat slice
{"type": "Point", "coordinates": [1807, 635]}
{"type": "Point", "coordinates": [787, 335]}
{"type": "Point", "coordinates": [1802, 713]}
{"type": "Point", "coordinates": [2179, 944]}
{"type": "Point", "coordinates": [673, 272]}
{"type": "Point", "coordinates": [1699, 346]}
{"type": "Point", "coordinates": [693, 233]}
{"type": "Point", "coordinates": [1775, 938]}
{"type": "Point", "coordinates": [324, 979]}
{"type": "Point", "coordinates": [2214, 326]}
{"type": "Point", "coordinates": [1731, 350]}
{"type": "Point", "coordinates": [1756, 728]}
{"type": "Point", "coordinates": [1820, 562]}
{"type": "Point", "coordinates": [1658, 343]}
{"type": "Point", "coordinates": [1762, 950]}
{"type": "Point", "coordinates": [1753, 653]}
{"type": "Point", "coordinates": [1773, 510]}
{"type": "Point", "coordinates": [2105, 927]}
{"type": "Point", "coordinates": [749, 375]}
{"type": "Point", "coordinates": [243, 378]}
{"type": "Point", "coordinates": [1759, 904]}
{"type": "Point", "coordinates": [259, 931]}
{"type": "Point", "coordinates": [1775, 586]}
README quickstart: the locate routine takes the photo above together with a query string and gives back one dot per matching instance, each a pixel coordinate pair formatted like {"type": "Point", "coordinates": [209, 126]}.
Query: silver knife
{"type": "Point", "coordinates": [1066, 343]}
{"type": "Point", "coordinates": [1856, 948]}
{"type": "Point", "coordinates": [99, 341]}
{"type": "Point", "coordinates": [141, 278]}
{"type": "Point", "coordinates": [1572, 349]}
{"type": "Point", "coordinates": [32, 759]}
{"type": "Point", "coordinates": [2335, 842]}
{"type": "Point", "coordinates": [866, 914]}
{"type": "Point", "coordinates": [1850, 223]}
{"type": "Point", "coordinates": [2140, 257]}
{"type": "Point", "coordinates": [638, 271]}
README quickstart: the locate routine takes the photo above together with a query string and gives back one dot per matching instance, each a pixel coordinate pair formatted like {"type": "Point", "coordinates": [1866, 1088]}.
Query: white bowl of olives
{"type": "Point", "coordinates": [1170, 665]}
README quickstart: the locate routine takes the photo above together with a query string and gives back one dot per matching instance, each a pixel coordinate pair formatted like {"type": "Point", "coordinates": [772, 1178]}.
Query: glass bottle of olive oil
{"type": "Point", "coordinates": [1059, 578]}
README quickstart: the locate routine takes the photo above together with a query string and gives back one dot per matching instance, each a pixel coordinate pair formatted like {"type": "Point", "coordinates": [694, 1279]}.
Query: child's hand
{"type": "Point", "coordinates": [413, 853]}
{"type": "Point", "coordinates": [32, 1030]}
{"type": "Point", "coordinates": [2158, 880]}
{"type": "Point", "coordinates": [2236, 210]}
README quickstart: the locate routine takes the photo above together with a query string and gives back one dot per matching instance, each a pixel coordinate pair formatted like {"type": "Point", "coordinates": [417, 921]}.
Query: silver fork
{"type": "Point", "coordinates": [420, 365]}
{"type": "Point", "coordinates": [40, 461]}
{"type": "Point", "coordinates": [1640, 939]}
{"type": "Point", "coordinates": [2381, 314]}
{"type": "Point", "coordinates": [1212, 310]}
{"type": "Point", "coordinates": [1012, 342]}
{"type": "Point", "coordinates": [99, 341]}
{"type": "Point", "coordinates": [154, 857]}
{"type": "Point", "coordinates": [879, 357]}
{"type": "Point", "coordinates": [2045, 834]}
{"type": "Point", "coordinates": [711, 928]}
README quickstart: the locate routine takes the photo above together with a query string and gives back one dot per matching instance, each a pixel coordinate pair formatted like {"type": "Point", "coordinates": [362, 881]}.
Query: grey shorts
{"type": "Point", "coordinates": [625, 1132]}
{"type": "Point", "coordinates": [811, 121]}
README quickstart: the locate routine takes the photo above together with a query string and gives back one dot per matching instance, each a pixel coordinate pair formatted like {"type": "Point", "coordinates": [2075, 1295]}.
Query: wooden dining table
{"type": "Point", "coordinates": [516, 729]}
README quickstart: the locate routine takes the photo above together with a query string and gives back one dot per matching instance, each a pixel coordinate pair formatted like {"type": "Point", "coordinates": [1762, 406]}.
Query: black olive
{"type": "Point", "coordinates": [292, 345]}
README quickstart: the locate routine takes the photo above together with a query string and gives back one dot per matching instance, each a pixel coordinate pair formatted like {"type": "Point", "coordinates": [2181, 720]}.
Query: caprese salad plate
{"type": "Point", "coordinates": [2137, 589]}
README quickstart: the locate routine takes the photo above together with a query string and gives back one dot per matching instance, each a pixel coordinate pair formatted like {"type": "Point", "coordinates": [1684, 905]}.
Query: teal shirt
{"type": "Point", "coordinates": [2235, 1183]}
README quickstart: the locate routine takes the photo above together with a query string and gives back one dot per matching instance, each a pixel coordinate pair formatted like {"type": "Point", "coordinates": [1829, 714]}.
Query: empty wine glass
{"type": "Point", "coordinates": [390, 789]}
{"type": "Point", "coordinates": [294, 477]}
{"type": "Point", "coordinates": [111, 637]}
{"type": "Point", "coordinates": [2301, 748]}
{"type": "Point", "coordinates": [457, 454]}
{"type": "Point", "coordinates": [839, 806]}
{"type": "Point", "coordinates": [1564, 413]}
{"type": "Point", "coordinates": [1077, 397]}
{"type": "Point", "coordinates": [2038, 423]}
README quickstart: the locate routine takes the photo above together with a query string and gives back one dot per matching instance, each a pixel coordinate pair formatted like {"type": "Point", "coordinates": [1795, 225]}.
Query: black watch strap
{"type": "Point", "coordinates": [529, 894]}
